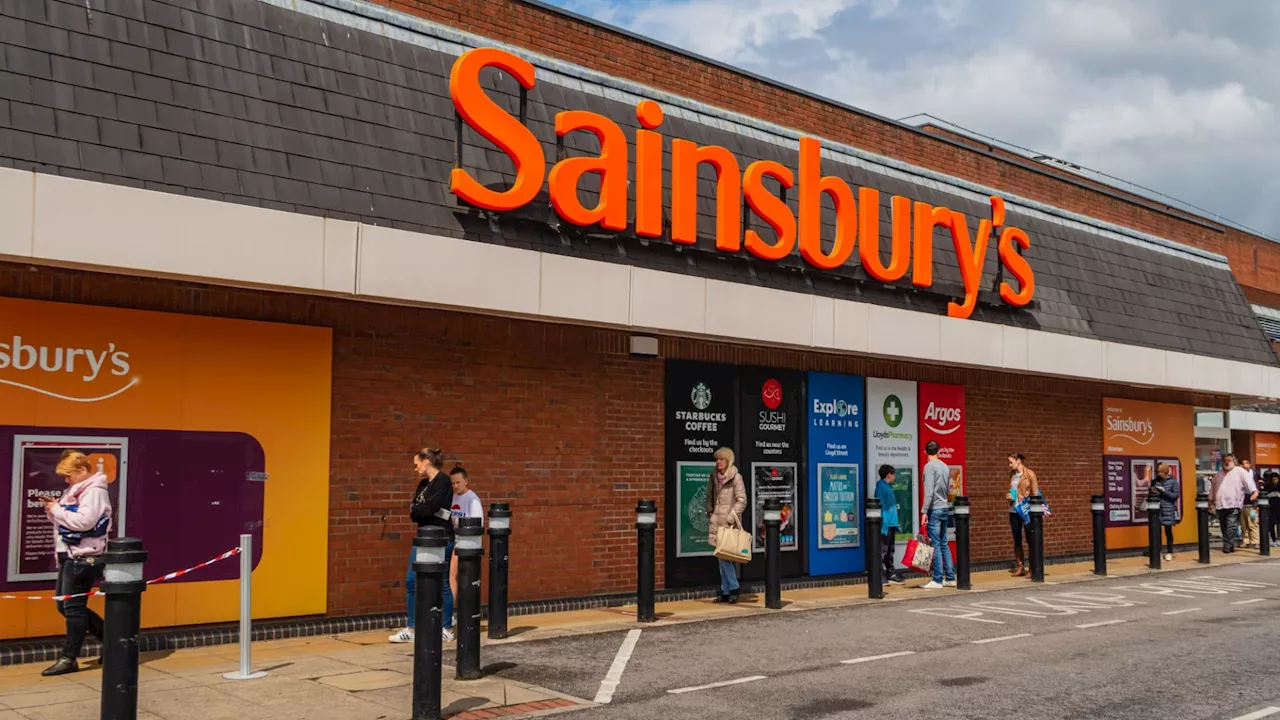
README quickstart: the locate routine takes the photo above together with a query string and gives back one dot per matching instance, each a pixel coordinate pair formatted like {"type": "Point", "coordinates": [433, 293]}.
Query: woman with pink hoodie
{"type": "Point", "coordinates": [81, 520]}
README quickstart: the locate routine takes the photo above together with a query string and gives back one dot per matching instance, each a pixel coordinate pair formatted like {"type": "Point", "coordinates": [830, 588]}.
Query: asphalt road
{"type": "Point", "coordinates": [1179, 645]}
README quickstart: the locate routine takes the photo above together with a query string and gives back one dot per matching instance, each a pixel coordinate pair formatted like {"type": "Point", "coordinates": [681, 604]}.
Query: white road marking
{"type": "Point", "coordinates": [1249, 602]}
{"type": "Point", "coordinates": [1179, 612]}
{"type": "Point", "coordinates": [1264, 712]}
{"type": "Point", "coordinates": [973, 615]}
{"type": "Point", "coordinates": [725, 683]}
{"type": "Point", "coordinates": [1100, 624]}
{"type": "Point", "coordinates": [610, 683]}
{"type": "Point", "coordinates": [999, 639]}
{"type": "Point", "coordinates": [855, 661]}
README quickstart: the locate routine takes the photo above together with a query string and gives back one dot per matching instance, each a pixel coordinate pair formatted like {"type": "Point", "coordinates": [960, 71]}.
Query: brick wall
{"type": "Point", "coordinates": [1256, 261]}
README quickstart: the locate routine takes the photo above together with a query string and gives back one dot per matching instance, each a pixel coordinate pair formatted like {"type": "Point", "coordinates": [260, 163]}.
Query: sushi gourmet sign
{"type": "Point", "coordinates": [913, 223]}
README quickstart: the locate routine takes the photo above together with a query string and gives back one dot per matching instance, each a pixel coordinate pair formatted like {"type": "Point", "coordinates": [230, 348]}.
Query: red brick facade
{"type": "Point", "coordinates": [561, 422]}
{"type": "Point", "coordinates": [1255, 261]}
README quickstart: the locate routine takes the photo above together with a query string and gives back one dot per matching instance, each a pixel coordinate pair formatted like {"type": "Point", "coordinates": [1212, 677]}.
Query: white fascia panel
{"type": "Point", "coordinates": [852, 326]}
{"type": "Point", "coordinates": [17, 201]}
{"type": "Point", "coordinates": [1135, 365]}
{"type": "Point", "coordinates": [1053, 354]}
{"type": "Point", "coordinates": [758, 313]}
{"type": "Point", "coordinates": [667, 301]}
{"type": "Point", "coordinates": [585, 290]}
{"type": "Point", "coordinates": [341, 252]}
{"type": "Point", "coordinates": [966, 342]}
{"type": "Point", "coordinates": [904, 333]}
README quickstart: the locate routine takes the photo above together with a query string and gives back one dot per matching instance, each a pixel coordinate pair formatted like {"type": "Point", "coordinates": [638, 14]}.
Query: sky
{"type": "Point", "coordinates": [1180, 96]}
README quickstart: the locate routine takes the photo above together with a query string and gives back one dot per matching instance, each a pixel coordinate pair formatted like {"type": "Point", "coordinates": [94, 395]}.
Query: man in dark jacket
{"type": "Point", "coordinates": [430, 506]}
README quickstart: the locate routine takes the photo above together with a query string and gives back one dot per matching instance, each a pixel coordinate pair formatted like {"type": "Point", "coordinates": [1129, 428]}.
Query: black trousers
{"type": "Point", "coordinates": [887, 550]}
{"type": "Point", "coordinates": [77, 576]}
{"type": "Point", "coordinates": [1229, 521]}
{"type": "Point", "coordinates": [1168, 539]}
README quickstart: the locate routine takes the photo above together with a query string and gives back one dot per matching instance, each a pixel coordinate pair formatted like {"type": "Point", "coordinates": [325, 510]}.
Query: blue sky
{"type": "Point", "coordinates": [1179, 95]}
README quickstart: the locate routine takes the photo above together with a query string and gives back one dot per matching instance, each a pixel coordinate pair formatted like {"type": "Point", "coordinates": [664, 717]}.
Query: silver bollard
{"type": "Point", "coordinates": [246, 613]}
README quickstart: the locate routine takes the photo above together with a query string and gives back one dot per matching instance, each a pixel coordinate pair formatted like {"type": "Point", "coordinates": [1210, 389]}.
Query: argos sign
{"type": "Point", "coordinates": [942, 420]}
{"type": "Point", "coordinates": [913, 223]}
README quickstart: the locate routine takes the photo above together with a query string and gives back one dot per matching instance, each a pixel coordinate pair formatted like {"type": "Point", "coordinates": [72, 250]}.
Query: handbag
{"type": "Point", "coordinates": [919, 555]}
{"type": "Point", "coordinates": [733, 543]}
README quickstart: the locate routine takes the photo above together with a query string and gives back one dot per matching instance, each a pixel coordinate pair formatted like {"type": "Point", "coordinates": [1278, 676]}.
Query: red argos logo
{"type": "Point", "coordinates": [771, 394]}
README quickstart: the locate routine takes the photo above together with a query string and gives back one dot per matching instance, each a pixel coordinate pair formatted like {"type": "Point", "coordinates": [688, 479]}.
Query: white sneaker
{"type": "Point", "coordinates": [931, 585]}
{"type": "Point", "coordinates": [948, 583]}
{"type": "Point", "coordinates": [446, 634]}
{"type": "Point", "coordinates": [1168, 556]}
{"type": "Point", "coordinates": [404, 636]}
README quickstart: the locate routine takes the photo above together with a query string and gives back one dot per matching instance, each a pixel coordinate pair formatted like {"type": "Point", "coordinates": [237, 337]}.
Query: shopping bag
{"type": "Point", "coordinates": [733, 543]}
{"type": "Point", "coordinates": [919, 555]}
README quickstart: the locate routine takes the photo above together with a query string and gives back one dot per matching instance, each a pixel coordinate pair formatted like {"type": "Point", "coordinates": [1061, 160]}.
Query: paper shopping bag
{"type": "Point", "coordinates": [733, 543]}
{"type": "Point", "coordinates": [919, 555]}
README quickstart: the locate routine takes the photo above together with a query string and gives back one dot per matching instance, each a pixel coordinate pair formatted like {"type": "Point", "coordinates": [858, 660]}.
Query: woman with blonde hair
{"type": "Point", "coordinates": [726, 499]}
{"type": "Point", "coordinates": [81, 520]}
{"type": "Point", "coordinates": [1168, 489]}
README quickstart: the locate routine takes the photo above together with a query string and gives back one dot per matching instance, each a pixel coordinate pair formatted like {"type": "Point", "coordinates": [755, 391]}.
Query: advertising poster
{"type": "Point", "coordinates": [892, 439]}
{"type": "Point", "coordinates": [836, 441]}
{"type": "Point", "coordinates": [700, 408]}
{"type": "Point", "coordinates": [777, 481]}
{"type": "Point", "coordinates": [942, 420]}
{"type": "Point", "coordinates": [1136, 437]}
{"type": "Point", "coordinates": [206, 428]}
{"type": "Point", "coordinates": [1266, 452]}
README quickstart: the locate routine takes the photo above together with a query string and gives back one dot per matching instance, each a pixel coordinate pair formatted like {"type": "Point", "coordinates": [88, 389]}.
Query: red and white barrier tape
{"type": "Point", "coordinates": [164, 578]}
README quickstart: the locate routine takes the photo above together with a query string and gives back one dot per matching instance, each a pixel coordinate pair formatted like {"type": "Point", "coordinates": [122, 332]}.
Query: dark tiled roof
{"type": "Point", "coordinates": [247, 102]}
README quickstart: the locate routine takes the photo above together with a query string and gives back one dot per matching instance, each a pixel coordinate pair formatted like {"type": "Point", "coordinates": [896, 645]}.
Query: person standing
{"type": "Point", "coordinates": [1271, 486]}
{"type": "Point", "coordinates": [81, 520]}
{"type": "Point", "coordinates": [1168, 489]}
{"type": "Point", "coordinates": [1248, 513]}
{"type": "Point", "coordinates": [429, 507]}
{"type": "Point", "coordinates": [1230, 487]}
{"type": "Point", "coordinates": [888, 522]}
{"type": "Point", "coordinates": [726, 499]}
{"type": "Point", "coordinates": [466, 504]}
{"type": "Point", "coordinates": [1022, 485]}
{"type": "Point", "coordinates": [934, 513]}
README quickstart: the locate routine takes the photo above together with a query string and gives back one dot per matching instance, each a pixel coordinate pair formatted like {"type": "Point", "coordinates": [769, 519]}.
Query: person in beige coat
{"type": "Point", "coordinates": [726, 499]}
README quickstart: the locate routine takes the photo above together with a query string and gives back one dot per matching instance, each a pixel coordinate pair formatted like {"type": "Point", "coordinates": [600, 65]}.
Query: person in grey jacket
{"type": "Point", "coordinates": [935, 511]}
{"type": "Point", "coordinates": [1168, 489]}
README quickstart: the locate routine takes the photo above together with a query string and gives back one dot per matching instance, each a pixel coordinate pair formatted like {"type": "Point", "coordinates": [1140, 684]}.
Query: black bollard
{"type": "Point", "coordinates": [123, 585]}
{"type": "Point", "coordinates": [1264, 525]}
{"type": "Point", "coordinates": [431, 574]}
{"type": "Point", "coordinates": [772, 554]}
{"type": "Point", "coordinates": [1098, 504]}
{"type": "Point", "coordinates": [499, 540]}
{"type": "Point", "coordinates": [961, 511]}
{"type": "Point", "coordinates": [875, 578]}
{"type": "Point", "coordinates": [1202, 527]}
{"type": "Point", "coordinates": [469, 546]}
{"type": "Point", "coordinates": [1153, 529]}
{"type": "Point", "coordinates": [646, 528]}
{"type": "Point", "coordinates": [1036, 536]}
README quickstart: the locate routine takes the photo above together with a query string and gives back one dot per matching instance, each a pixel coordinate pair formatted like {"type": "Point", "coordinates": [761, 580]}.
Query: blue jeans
{"type": "Point", "coordinates": [411, 590]}
{"type": "Point", "coordinates": [728, 576]}
{"type": "Point", "coordinates": [942, 563]}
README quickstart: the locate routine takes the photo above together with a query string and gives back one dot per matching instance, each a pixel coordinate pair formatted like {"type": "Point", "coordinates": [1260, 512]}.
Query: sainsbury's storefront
{"type": "Point", "coordinates": [579, 286]}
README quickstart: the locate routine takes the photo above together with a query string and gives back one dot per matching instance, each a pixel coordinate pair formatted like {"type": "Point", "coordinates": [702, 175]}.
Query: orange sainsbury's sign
{"type": "Point", "coordinates": [913, 223]}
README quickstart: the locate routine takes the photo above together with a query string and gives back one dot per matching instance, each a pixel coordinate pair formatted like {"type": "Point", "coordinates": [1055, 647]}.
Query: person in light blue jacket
{"type": "Point", "coordinates": [888, 522]}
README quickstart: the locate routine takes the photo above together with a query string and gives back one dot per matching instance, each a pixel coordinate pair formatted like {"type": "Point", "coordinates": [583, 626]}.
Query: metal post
{"type": "Point", "coordinates": [772, 554]}
{"type": "Point", "coordinates": [1098, 504]}
{"type": "Point", "coordinates": [646, 528]}
{"type": "Point", "coordinates": [123, 585]}
{"type": "Point", "coordinates": [1202, 522]}
{"type": "Point", "coordinates": [1264, 525]}
{"type": "Point", "coordinates": [246, 614]}
{"type": "Point", "coordinates": [1153, 530]}
{"type": "Point", "coordinates": [431, 570]}
{"type": "Point", "coordinates": [875, 581]}
{"type": "Point", "coordinates": [1036, 528]}
{"type": "Point", "coordinates": [499, 538]}
{"type": "Point", "coordinates": [469, 547]}
{"type": "Point", "coordinates": [961, 510]}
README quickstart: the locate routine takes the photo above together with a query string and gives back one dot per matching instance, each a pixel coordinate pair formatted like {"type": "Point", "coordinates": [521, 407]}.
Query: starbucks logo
{"type": "Point", "coordinates": [893, 411]}
{"type": "Point", "coordinates": [701, 396]}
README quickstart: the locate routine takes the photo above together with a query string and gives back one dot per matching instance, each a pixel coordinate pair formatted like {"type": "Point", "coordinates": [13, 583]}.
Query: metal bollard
{"type": "Point", "coordinates": [772, 554]}
{"type": "Point", "coordinates": [875, 580]}
{"type": "Point", "coordinates": [1153, 530]}
{"type": "Point", "coordinates": [1098, 504]}
{"type": "Point", "coordinates": [1036, 532]}
{"type": "Point", "coordinates": [123, 585]}
{"type": "Point", "coordinates": [1202, 527]}
{"type": "Point", "coordinates": [246, 614]}
{"type": "Point", "coordinates": [1264, 525]}
{"type": "Point", "coordinates": [499, 540]}
{"type": "Point", "coordinates": [469, 546]}
{"type": "Point", "coordinates": [961, 511]}
{"type": "Point", "coordinates": [432, 573]}
{"type": "Point", "coordinates": [646, 528]}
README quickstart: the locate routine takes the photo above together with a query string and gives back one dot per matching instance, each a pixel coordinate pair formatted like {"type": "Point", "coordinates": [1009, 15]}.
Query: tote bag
{"type": "Point", "coordinates": [919, 555]}
{"type": "Point", "coordinates": [733, 543]}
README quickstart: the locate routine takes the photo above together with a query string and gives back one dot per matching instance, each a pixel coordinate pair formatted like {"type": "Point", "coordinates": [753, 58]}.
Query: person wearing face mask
{"type": "Point", "coordinates": [82, 521]}
{"type": "Point", "coordinates": [430, 506]}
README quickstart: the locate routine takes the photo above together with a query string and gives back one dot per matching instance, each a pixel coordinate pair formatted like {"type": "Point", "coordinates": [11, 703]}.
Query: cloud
{"type": "Point", "coordinates": [1180, 96]}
